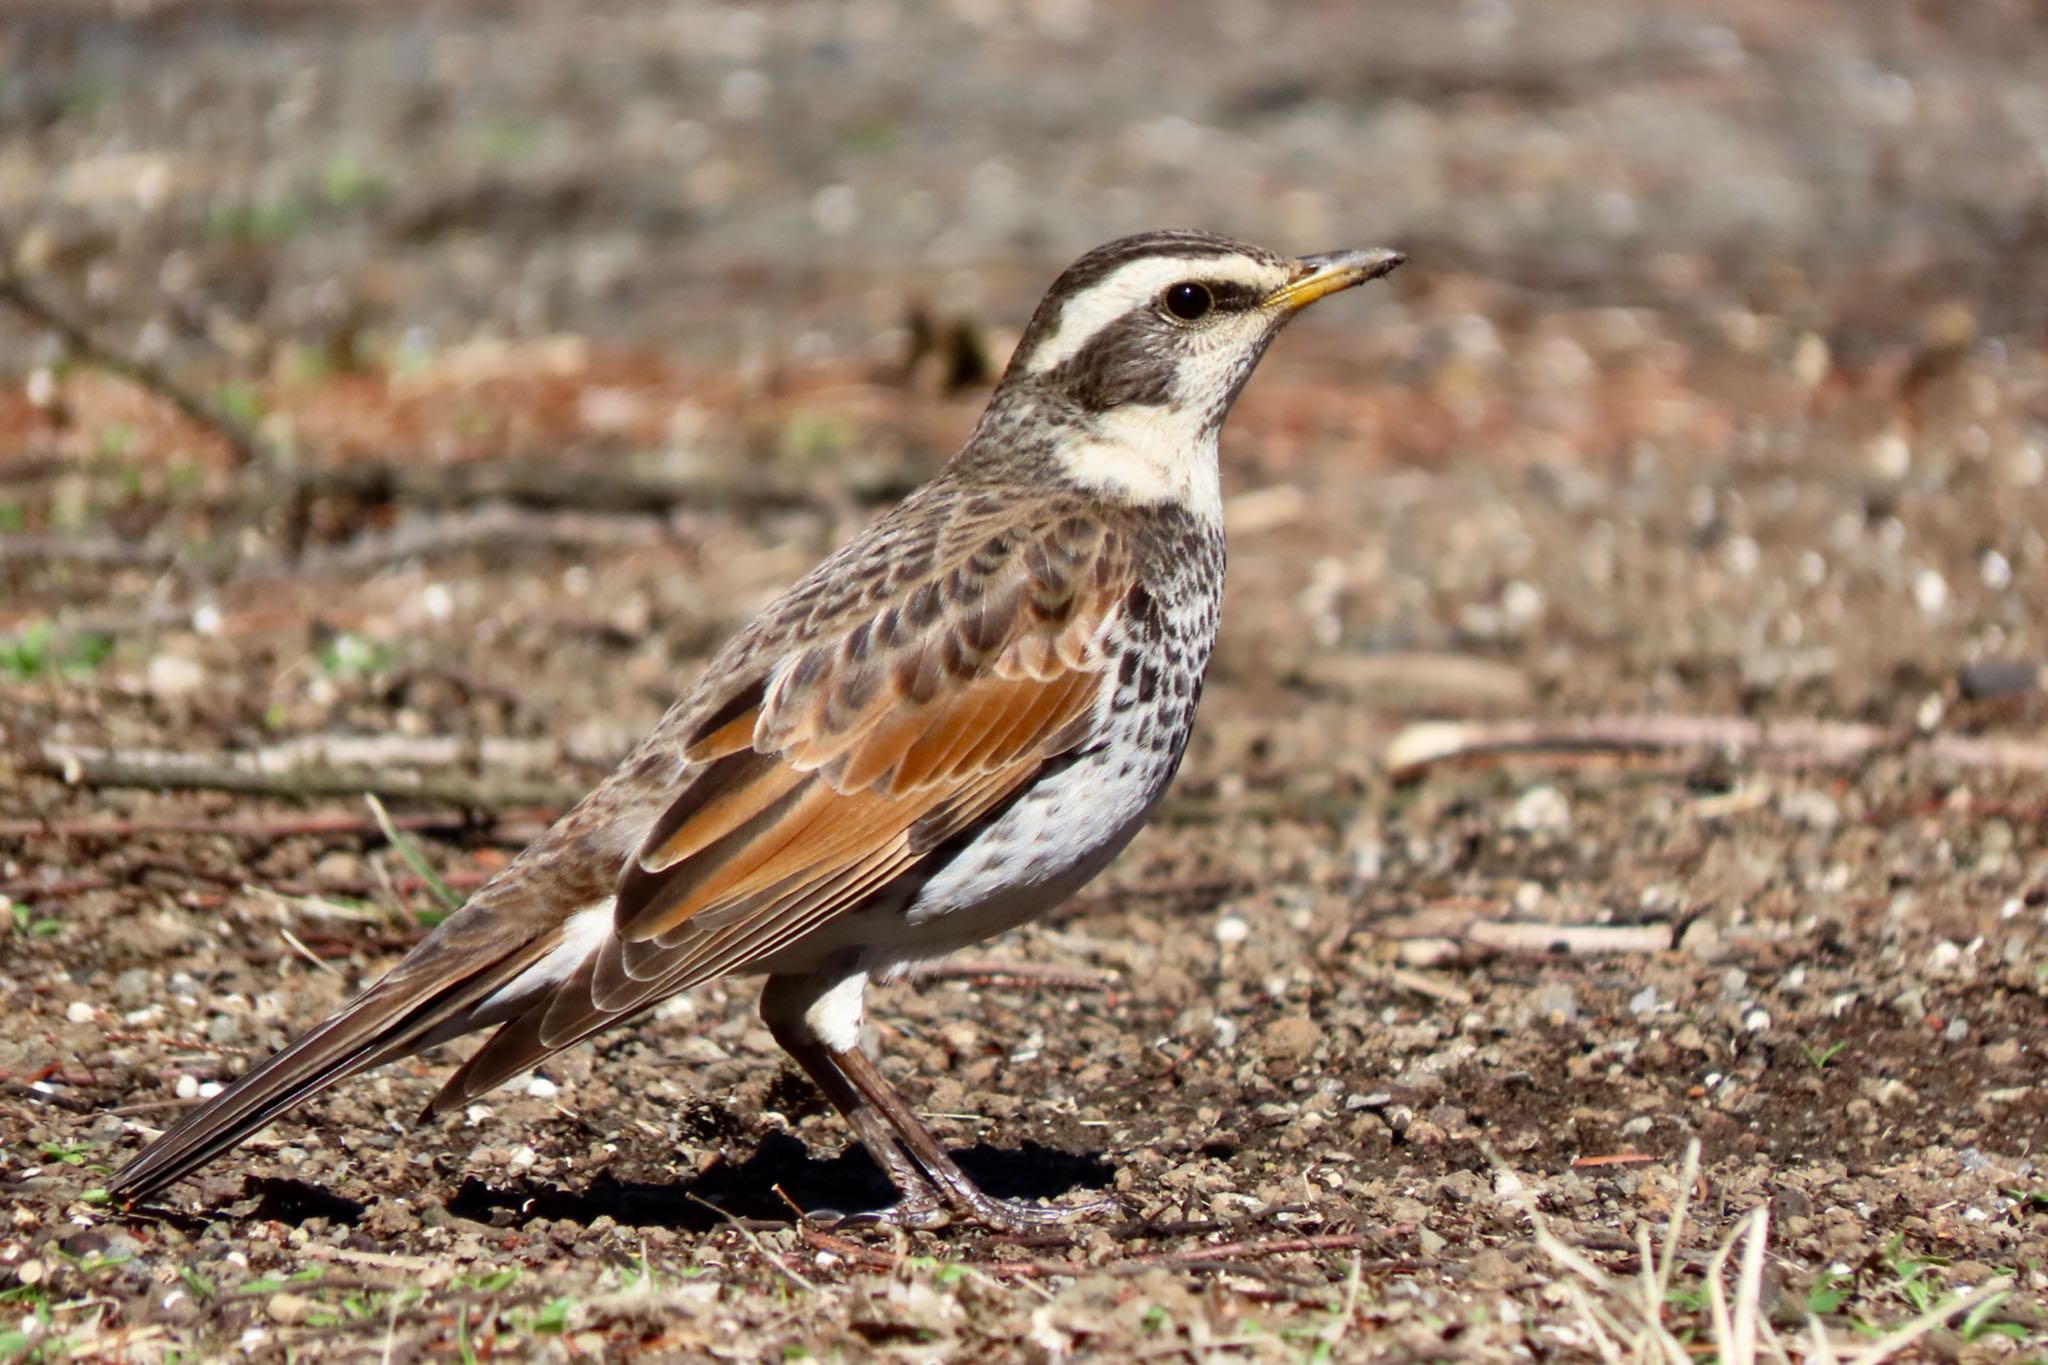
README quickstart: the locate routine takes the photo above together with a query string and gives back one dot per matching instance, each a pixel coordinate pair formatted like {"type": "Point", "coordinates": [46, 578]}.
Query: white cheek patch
{"type": "Point", "coordinates": [1137, 283]}
{"type": "Point", "coordinates": [1151, 454]}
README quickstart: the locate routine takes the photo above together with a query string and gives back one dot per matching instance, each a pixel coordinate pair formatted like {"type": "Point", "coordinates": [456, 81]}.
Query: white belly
{"type": "Point", "coordinates": [1050, 842]}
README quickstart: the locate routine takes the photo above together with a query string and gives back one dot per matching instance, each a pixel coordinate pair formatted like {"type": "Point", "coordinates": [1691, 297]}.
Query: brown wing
{"type": "Point", "coordinates": [851, 759]}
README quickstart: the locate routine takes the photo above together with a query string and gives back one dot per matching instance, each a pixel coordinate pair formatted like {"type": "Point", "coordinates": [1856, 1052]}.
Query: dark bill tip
{"type": "Point", "coordinates": [1332, 271]}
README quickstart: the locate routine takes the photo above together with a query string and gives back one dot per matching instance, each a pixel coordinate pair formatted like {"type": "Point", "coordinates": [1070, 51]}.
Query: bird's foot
{"type": "Point", "coordinates": [926, 1211]}
{"type": "Point", "coordinates": [1021, 1215]}
{"type": "Point", "coordinates": [916, 1215]}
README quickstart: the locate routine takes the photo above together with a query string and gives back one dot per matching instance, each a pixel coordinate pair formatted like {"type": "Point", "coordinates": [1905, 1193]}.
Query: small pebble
{"type": "Point", "coordinates": [1643, 1001]}
{"type": "Point", "coordinates": [1291, 1038]}
{"type": "Point", "coordinates": [1810, 808]}
{"type": "Point", "coordinates": [1553, 1001]}
{"type": "Point", "coordinates": [173, 675]}
{"type": "Point", "coordinates": [1540, 810]}
{"type": "Point", "coordinates": [187, 1087]}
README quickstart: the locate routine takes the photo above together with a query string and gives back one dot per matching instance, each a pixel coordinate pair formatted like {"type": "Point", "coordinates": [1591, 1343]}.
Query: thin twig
{"type": "Point", "coordinates": [232, 773]}
{"type": "Point", "coordinates": [481, 528]}
{"type": "Point", "coordinates": [101, 552]}
{"type": "Point", "coordinates": [760, 1248]}
{"type": "Point", "coordinates": [263, 827]}
{"type": "Point", "coordinates": [549, 485]}
{"type": "Point", "coordinates": [246, 447]}
{"type": "Point", "coordinates": [1440, 937]}
{"type": "Point", "coordinates": [1420, 747]}
{"type": "Point", "coordinates": [1043, 976]}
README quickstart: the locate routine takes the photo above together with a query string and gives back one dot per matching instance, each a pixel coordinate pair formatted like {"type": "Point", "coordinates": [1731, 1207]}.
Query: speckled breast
{"type": "Point", "coordinates": [1071, 822]}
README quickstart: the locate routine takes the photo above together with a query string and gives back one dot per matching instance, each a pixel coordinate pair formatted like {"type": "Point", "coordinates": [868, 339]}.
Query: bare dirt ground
{"type": "Point", "coordinates": [1718, 387]}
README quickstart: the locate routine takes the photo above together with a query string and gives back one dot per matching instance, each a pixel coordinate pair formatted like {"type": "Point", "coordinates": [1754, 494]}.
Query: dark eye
{"type": "Point", "coordinates": [1188, 301]}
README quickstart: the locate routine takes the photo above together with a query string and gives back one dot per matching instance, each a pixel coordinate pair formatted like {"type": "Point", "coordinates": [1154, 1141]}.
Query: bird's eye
{"type": "Point", "coordinates": [1189, 301]}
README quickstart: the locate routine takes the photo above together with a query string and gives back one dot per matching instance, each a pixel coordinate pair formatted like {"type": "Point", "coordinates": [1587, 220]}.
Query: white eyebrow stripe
{"type": "Point", "coordinates": [1124, 288]}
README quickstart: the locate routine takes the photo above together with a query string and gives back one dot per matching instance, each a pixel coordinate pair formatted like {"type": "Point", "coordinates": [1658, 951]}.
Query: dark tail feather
{"type": "Point", "coordinates": [389, 1020]}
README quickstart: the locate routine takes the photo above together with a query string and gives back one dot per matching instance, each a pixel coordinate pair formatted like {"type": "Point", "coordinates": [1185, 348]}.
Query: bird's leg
{"type": "Point", "coordinates": [918, 1204]}
{"type": "Point", "coordinates": [930, 1183]}
{"type": "Point", "coordinates": [786, 1005]}
{"type": "Point", "coordinates": [940, 1170]}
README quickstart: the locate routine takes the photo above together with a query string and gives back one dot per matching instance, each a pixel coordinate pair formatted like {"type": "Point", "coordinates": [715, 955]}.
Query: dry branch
{"type": "Point", "coordinates": [258, 773]}
{"type": "Point", "coordinates": [102, 552]}
{"type": "Point", "coordinates": [484, 527]}
{"type": "Point", "coordinates": [17, 293]}
{"type": "Point", "coordinates": [1041, 975]}
{"type": "Point", "coordinates": [1418, 748]}
{"type": "Point", "coordinates": [236, 827]}
{"type": "Point", "coordinates": [1442, 936]}
{"type": "Point", "coordinates": [613, 487]}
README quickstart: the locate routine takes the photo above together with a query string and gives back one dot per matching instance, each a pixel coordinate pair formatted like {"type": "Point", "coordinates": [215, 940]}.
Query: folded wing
{"type": "Point", "coordinates": [843, 765]}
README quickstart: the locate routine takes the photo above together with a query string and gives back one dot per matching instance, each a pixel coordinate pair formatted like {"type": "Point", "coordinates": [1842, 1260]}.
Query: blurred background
{"type": "Point", "coordinates": [1744, 289]}
{"type": "Point", "coordinates": [398, 394]}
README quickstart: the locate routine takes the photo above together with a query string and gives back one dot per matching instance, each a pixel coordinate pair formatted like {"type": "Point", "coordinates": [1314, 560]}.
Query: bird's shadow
{"type": "Point", "coordinates": [779, 1179]}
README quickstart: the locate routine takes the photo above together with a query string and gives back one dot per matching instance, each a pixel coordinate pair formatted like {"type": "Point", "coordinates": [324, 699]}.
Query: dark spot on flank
{"type": "Point", "coordinates": [809, 669]}
{"type": "Point", "coordinates": [889, 627]}
{"type": "Point", "coordinates": [924, 605]}
{"type": "Point", "coordinates": [858, 689]}
{"type": "Point", "coordinates": [857, 641]}
{"type": "Point", "coordinates": [964, 587]}
{"type": "Point", "coordinates": [917, 676]}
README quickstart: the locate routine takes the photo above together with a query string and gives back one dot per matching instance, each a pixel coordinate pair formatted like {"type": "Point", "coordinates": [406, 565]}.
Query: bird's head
{"type": "Point", "coordinates": [1141, 346]}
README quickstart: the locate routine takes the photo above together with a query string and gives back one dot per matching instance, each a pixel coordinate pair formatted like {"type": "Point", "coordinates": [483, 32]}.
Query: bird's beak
{"type": "Point", "coordinates": [1316, 276]}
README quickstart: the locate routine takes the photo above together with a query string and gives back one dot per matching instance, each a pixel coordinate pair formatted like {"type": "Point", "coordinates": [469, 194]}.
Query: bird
{"type": "Point", "coordinates": [942, 732]}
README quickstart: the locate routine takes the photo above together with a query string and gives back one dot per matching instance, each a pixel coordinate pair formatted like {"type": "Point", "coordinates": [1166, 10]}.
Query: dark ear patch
{"type": "Point", "coordinates": [1129, 361]}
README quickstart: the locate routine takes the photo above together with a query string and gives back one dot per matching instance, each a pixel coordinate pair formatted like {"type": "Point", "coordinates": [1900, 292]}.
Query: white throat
{"type": "Point", "coordinates": [1151, 454]}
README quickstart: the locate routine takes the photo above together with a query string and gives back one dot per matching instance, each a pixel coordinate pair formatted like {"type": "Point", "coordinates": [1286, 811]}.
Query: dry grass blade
{"type": "Point", "coordinates": [1736, 1324]}
{"type": "Point", "coordinates": [760, 1248]}
{"type": "Point", "coordinates": [298, 946]}
{"type": "Point", "coordinates": [419, 865]}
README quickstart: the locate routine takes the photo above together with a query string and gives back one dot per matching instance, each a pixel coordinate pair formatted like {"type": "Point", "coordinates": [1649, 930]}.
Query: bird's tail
{"type": "Point", "coordinates": [433, 995]}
